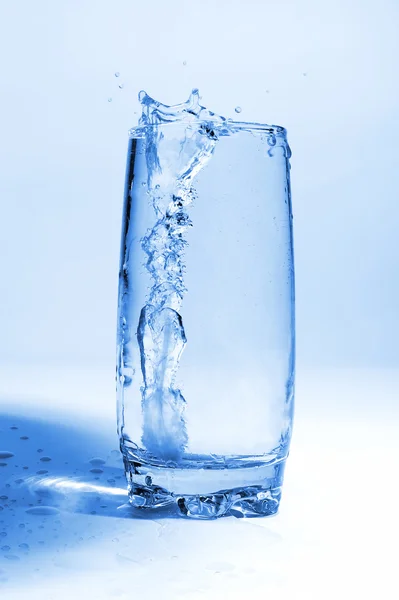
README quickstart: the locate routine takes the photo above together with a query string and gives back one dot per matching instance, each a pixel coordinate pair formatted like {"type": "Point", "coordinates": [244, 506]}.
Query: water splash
{"type": "Point", "coordinates": [174, 156]}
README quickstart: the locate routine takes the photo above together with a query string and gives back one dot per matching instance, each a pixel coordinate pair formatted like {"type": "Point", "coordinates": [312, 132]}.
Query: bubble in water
{"type": "Point", "coordinates": [45, 459]}
{"type": "Point", "coordinates": [117, 74]}
{"type": "Point", "coordinates": [41, 472]}
{"type": "Point", "coordinates": [3, 497]}
{"type": "Point", "coordinates": [5, 548]}
{"type": "Point", "coordinates": [109, 99]}
{"type": "Point", "coordinates": [121, 86]}
{"type": "Point", "coordinates": [5, 454]}
{"type": "Point", "coordinates": [21, 525]}
{"type": "Point", "coordinates": [96, 471]}
{"type": "Point", "coordinates": [14, 427]}
{"type": "Point", "coordinates": [24, 437]}
{"type": "Point", "coordinates": [238, 109]}
{"type": "Point", "coordinates": [42, 510]}
{"type": "Point", "coordinates": [40, 450]}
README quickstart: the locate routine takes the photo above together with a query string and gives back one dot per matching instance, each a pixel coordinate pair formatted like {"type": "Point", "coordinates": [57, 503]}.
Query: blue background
{"type": "Point", "coordinates": [326, 71]}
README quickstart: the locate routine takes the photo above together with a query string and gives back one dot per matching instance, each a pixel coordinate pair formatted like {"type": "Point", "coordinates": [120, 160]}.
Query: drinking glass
{"type": "Point", "coordinates": [205, 378]}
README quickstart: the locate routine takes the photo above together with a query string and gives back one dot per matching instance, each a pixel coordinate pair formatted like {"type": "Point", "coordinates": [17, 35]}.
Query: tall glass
{"type": "Point", "coordinates": [205, 422]}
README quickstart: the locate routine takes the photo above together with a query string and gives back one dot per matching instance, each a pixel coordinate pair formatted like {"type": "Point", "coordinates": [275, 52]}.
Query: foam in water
{"type": "Point", "coordinates": [174, 156]}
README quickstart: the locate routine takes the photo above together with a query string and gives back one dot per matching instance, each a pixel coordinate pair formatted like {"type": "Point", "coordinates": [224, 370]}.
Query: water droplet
{"type": "Point", "coordinates": [93, 512]}
{"type": "Point", "coordinates": [238, 109]}
{"type": "Point", "coordinates": [97, 462]}
{"type": "Point", "coordinates": [6, 454]}
{"type": "Point", "coordinates": [3, 464]}
{"type": "Point", "coordinates": [109, 99]}
{"type": "Point", "coordinates": [143, 183]}
{"type": "Point", "coordinates": [3, 497]}
{"type": "Point", "coordinates": [24, 546]}
{"type": "Point", "coordinates": [267, 91]}
{"type": "Point", "coordinates": [121, 86]}
{"type": "Point", "coordinates": [42, 510]}
{"type": "Point", "coordinates": [5, 548]}
{"type": "Point", "coordinates": [271, 139]}
{"type": "Point", "coordinates": [25, 468]}
{"type": "Point", "coordinates": [111, 480]}
{"type": "Point", "coordinates": [21, 525]}
{"type": "Point", "coordinates": [41, 472]}
{"type": "Point", "coordinates": [40, 450]}
{"type": "Point", "coordinates": [19, 481]}
{"type": "Point", "coordinates": [3, 533]}
{"type": "Point", "coordinates": [45, 459]}
{"type": "Point", "coordinates": [117, 74]}
{"type": "Point", "coordinates": [304, 74]}
{"type": "Point", "coordinates": [14, 427]}
{"type": "Point", "coordinates": [24, 437]}
{"type": "Point", "coordinates": [96, 471]}
{"type": "Point", "coordinates": [184, 62]}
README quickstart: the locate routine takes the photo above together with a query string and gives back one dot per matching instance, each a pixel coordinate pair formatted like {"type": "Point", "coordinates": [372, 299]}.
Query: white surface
{"type": "Point", "coordinates": [335, 537]}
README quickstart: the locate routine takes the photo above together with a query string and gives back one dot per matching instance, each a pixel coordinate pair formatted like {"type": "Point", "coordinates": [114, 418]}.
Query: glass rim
{"type": "Point", "coordinates": [277, 130]}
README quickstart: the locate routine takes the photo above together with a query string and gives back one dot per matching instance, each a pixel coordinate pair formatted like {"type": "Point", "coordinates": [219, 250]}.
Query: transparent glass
{"type": "Point", "coordinates": [232, 387]}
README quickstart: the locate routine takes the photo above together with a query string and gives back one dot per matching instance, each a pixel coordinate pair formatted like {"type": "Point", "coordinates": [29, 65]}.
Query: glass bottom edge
{"type": "Point", "coordinates": [205, 494]}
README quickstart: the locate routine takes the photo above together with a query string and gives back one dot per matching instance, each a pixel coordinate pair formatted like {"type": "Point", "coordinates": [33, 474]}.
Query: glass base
{"type": "Point", "coordinates": [206, 493]}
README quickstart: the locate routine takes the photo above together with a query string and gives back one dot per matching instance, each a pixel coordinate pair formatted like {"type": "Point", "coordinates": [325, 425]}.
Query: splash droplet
{"type": "Point", "coordinates": [117, 74]}
{"type": "Point", "coordinates": [97, 462]}
{"type": "Point", "coordinates": [109, 99]}
{"type": "Point", "coordinates": [238, 109]}
{"type": "Point", "coordinates": [43, 510]}
{"type": "Point", "coordinates": [6, 454]}
{"type": "Point", "coordinates": [184, 62]}
{"type": "Point", "coordinates": [121, 86]}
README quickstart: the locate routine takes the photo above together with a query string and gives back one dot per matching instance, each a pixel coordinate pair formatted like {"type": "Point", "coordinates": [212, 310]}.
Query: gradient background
{"type": "Point", "coordinates": [328, 72]}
